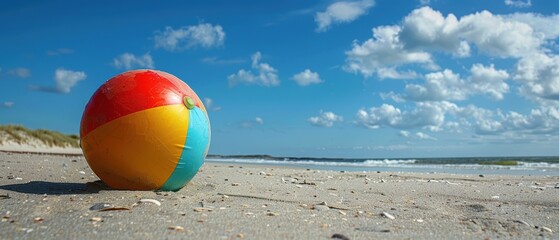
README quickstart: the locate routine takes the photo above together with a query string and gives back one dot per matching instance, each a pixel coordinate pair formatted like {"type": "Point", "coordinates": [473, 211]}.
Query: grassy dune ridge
{"type": "Point", "coordinates": [23, 135]}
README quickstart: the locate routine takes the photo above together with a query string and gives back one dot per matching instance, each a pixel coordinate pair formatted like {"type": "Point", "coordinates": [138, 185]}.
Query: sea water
{"type": "Point", "coordinates": [474, 165]}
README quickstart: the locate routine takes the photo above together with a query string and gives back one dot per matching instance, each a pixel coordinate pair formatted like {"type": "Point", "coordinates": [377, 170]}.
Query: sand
{"type": "Point", "coordinates": [35, 146]}
{"type": "Point", "coordinates": [46, 196]}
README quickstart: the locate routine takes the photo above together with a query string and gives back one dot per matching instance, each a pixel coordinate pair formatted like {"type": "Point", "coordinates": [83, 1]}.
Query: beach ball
{"type": "Point", "coordinates": [145, 130]}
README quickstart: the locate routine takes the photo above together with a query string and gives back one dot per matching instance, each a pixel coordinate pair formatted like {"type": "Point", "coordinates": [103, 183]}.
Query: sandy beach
{"type": "Point", "coordinates": [59, 197]}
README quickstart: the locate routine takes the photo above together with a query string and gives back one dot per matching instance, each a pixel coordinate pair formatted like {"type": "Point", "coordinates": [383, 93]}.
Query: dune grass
{"type": "Point", "coordinates": [20, 134]}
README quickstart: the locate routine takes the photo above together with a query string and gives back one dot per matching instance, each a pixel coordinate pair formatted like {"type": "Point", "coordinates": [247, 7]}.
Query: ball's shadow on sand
{"type": "Point", "coordinates": [56, 188]}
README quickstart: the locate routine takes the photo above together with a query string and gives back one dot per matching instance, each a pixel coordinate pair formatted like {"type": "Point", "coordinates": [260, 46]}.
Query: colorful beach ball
{"type": "Point", "coordinates": [145, 130]}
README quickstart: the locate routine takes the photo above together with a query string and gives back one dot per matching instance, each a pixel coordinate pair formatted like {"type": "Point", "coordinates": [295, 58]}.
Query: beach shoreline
{"type": "Point", "coordinates": [50, 196]}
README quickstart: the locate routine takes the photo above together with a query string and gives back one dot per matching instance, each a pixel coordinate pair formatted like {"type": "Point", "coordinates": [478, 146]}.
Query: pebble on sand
{"type": "Point", "coordinates": [272, 213]}
{"type": "Point", "coordinates": [100, 206]}
{"type": "Point", "coordinates": [96, 219]}
{"type": "Point", "coordinates": [176, 228]}
{"type": "Point", "coordinates": [339, 236]}
{"type": "Point", "coordinates": [320, 207]}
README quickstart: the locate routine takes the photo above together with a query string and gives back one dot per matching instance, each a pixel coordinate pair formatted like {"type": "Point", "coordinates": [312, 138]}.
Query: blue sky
{"type": "Point", "coordinates": [368, 78]}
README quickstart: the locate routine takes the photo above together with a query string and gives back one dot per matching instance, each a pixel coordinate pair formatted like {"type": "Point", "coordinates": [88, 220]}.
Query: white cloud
{"type": "Point", "coordinates": [425, 28]}
{"type": "Point", "coordinates": [447, 85]}
{"type": "Point", "coordinates": [497, 36]}
{"type": "Point", "coordinates": [438, 116]}
{"type": "Point", "coordinates": [341, 12]}
{"type": "Point", "coordinates": [418, 135]}
{"type": "Point", "coordinates": [430, 115]}
{"type": "Point", "coordinates": [424, 136]}
{"type": "Point", "coordinates": [306, 78]}
{"type": "Point", "coordinates": [20, 72]}
{"type": "Point", "coordinates": [209, 104]}
{"type": "Point", "coordinates": [546, 25]}
{"type": "Point", "coordinates": [7, 104]}
{"type": "Point", "coordinates": [438, 86]}
{"type": "Point", "coordinates": [383, 53]}
{"type": "Point", "coordinates": [265, 74]}
{"type": "Point", "coordinates": [325, 119]}
{"type": "Point", "coordinates": [425, 31]}
{"type": "Point", "coordinates": [494, 35]}
{"type": "Point", "coordinates": [542, 120]}
{"type": "Point", "coordinates": [488, 80]}
{"type": "Point", "coordinates": [129, 61]}
{"type": "Point", "coordinates": [259, 120]}
{"type": "Point", "coordinates": [519, 3]}
{"type": "Point", "coordinates": [204, 35]}
{"type": "Point", "coordinates": [404, 133]}
{"type": "Point", "coordinates": [539, 76]}
{"type": "Point", "coordinates": [66, 79]}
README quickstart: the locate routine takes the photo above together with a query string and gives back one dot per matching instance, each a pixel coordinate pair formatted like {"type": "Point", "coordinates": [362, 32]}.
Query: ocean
{"type": "Point", "coordinates": [472, 165]}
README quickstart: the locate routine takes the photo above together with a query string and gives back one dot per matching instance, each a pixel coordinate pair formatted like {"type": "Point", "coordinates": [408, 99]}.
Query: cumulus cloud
{"type": "Point", "coordinates": [265, 74]}
{"type": "Point", "coordinates": [424, 136]}
{"type": "Point", "coordinates": [383, 53]}
{"type": "Point", "coordinates": [325, 119]}
{"type": "Point", "coordinates": [541, 120]}
{"type": "Point", "coordinates": [209, 104]}
{"type": "Point", "coordinates": [306, 78]}
{"type": "Point", "coordinates": [341, 12]}
{"type": "Point", "coordinates": [439, 86]}
{"type": "Point", "coordinates": [425, 31]}
{"type": "Point", "coordinates": [404, 133]}
{"type": "Point", "coordinates": [64, 79]}
{"type": "Point", "coordinates": [438, 116]}
{"type": "Point", "coordinates": [203, 35]}
{"type": "Point", "coordinates": [7, 104]}
{"type": "Point", "coordinates": [519, 3]}
{"type": "Point", "coordinates": [429, 115]}
{"type": "Point", "coordinates": [545, 25]}
{"type": "Point", "coordinates": [488, 80]}
{"type": "Point", "coordinates": [129, 61]}
{"type": "Point", "coordinates": [539, 76]}
{"type": "Point", "coordinates": [20, 72]}
{"type": "Point", "coordinates": [425, 28]}
{"type": "Point", "coordinates": [417, 135]}
{"type": "Point", "coordinates": [494, 35]}
{"type": "Point", "coordinates": [528, 40]}
{"type": "Point", "coordinates": [447, 85]}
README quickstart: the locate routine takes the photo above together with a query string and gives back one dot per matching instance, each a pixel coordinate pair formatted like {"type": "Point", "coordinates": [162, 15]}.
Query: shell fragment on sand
{"type": "Point", "coordinates": [387, 215]}
{"type": "Point", "coordinates": [147, 200]}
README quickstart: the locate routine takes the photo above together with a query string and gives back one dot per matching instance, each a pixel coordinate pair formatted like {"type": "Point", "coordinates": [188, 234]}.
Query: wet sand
{"type": "Point", "coordinates": [46, 196]}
